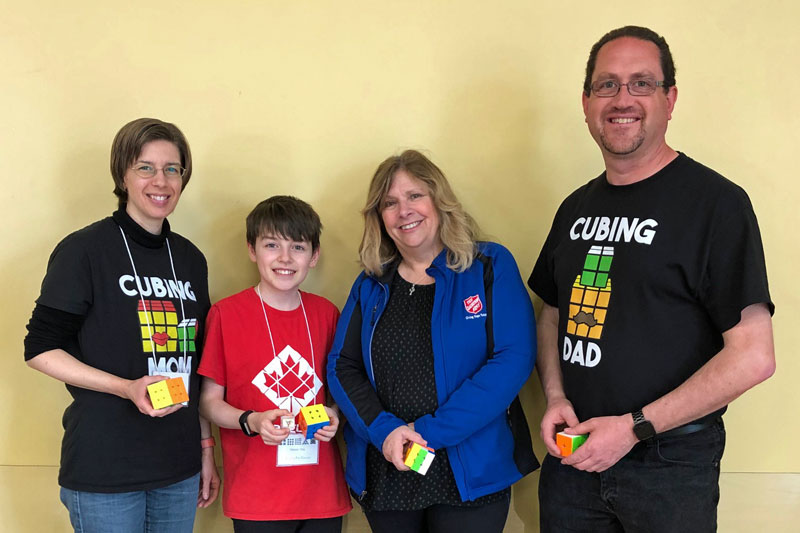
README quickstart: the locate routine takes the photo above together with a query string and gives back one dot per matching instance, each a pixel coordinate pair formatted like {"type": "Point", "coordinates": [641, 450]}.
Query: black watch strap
{"type": "Point", "coordinates": [245, 427]}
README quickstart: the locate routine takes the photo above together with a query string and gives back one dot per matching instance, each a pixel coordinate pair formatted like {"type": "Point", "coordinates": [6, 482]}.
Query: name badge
{"type": "Point", "coordinates": [296, 451]}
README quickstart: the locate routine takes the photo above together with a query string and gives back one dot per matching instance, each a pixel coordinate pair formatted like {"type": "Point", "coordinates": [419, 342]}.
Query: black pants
{"type": "Point", "coordinates": [664, 485]}
{"type": "Point", "coordinates": [490, 518]}
{"type": "Point", "coordinates": [319, 525]}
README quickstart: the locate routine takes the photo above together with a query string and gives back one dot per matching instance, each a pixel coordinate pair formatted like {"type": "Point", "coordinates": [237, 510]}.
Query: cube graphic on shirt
{"type": "Point", "coordinates": [312, 418]}
{"type": "Point", "coordinates": [419, 458]}
{"type": "Point", "coordinates": [167, 392]}
{"type": "Point", "coordinates": [187, 331]}
{"type": "Point", "coordinates": [569, 443]}
{"type": "Point", "coordinates": [158, 321]}
{"type": "Point", "coordinates": [591, 292]}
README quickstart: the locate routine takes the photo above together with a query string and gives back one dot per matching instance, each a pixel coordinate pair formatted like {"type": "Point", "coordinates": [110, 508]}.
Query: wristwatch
{"type": "Point", "coordinates": [642, 427]}
{"type": "Point", "coordinates": [243, 422]}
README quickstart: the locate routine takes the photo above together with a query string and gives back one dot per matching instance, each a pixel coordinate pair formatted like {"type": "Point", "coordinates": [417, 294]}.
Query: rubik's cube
{"type": "Point", "coordinates": [591, 292]}
{"type": "Point", "coordinates": [569, 443]}
{"type": "Point", "coordinates": [287, 421]}
{"type": "Point", "coordinates": [167, 392]}
{"type": "Point", "coordinates": [312, 418]}
{"type": "Point", "coordinates": [419, 458]}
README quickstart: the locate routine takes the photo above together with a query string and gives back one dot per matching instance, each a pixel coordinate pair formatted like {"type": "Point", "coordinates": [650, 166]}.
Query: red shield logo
{"type": "Point", "coordinates": [473, 304]}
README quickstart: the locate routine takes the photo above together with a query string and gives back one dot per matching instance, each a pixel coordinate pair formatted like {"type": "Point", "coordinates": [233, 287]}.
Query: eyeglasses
{"type": "Point", "coordinates": [636, 87]}
{"type": "Point", "coordinates": [143, 170]}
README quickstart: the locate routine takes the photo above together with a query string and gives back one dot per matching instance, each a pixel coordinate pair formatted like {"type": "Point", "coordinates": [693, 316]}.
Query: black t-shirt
{"type": "Point", "coordinates": [108, 445]}
{"type": "Point", "coordinates": [646, 278]}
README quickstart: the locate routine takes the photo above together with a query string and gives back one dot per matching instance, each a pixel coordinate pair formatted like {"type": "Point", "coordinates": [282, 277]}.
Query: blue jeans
{"type": "Point", "coordinates": [169, 509]}
{"type": "Point", "coordinates": [666, 484]}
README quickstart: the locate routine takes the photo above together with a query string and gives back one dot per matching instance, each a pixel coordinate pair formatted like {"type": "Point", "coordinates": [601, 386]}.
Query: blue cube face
{"type": "Point", "coordinates": [312, 428]}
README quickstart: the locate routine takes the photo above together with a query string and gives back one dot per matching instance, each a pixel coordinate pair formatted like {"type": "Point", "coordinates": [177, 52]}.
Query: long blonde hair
{"type": "Point", "coordinates": [457, 229]}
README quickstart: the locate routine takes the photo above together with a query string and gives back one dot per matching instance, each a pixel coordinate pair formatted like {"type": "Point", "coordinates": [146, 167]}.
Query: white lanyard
{"type": "Point", "coordinates": [144, 306]}
{"type": "Point", "coordinates": [308, 330]}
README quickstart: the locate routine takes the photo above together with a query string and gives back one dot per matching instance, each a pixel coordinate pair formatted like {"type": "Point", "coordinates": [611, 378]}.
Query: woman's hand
{"type": "Point", "coordinates": [263, 423]}
{"type": "Point", "coordinates": [326, 433]}
{"type": "Point", "coordinates": [395, 443]}
{"type": "Point", "coordinates": [136, 391]}
{"type": "Point", "coordinates": [209, 479]}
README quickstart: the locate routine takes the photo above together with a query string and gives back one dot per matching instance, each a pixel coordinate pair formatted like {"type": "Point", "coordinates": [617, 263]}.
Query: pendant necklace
{"type": "Point", "coordinates": [414, 283]}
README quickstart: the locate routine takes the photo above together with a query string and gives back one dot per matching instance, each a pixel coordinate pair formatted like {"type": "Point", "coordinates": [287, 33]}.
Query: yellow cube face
{"type": "Point", "coordinates": [159, 395]}
{"type": "Point", "coordinates": [314, 414]}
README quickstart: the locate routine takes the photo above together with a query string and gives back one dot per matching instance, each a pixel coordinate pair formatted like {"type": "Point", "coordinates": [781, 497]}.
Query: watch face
{"type": "Point", "coordinates": [644, 430]}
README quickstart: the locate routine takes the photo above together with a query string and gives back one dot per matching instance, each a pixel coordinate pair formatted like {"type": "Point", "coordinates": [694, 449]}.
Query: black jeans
{"type": "Point", "coordinates": [489, 518]}
{"type": "Point", "coordinates": [667, 484]}
{"type": "Point", "coordinates": [317, 525]}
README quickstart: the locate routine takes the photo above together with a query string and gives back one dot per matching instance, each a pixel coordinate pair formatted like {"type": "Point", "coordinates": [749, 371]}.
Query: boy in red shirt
{"type": "Point", "coordinates": [264, 359]}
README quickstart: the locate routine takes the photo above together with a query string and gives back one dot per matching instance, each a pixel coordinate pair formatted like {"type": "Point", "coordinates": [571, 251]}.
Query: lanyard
{"type": "Point", "coordinates": [308, 330]}
{"type": "Point", "coordinates": [144, 306]}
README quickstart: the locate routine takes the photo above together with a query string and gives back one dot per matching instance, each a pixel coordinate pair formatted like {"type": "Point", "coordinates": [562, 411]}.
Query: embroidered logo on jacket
{"type": "Point", "coordinates": [473, 304]}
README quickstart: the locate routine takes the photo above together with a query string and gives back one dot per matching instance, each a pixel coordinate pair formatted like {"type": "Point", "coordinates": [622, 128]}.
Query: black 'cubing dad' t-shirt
{"type": "Point", "coordinates": [646, 278]}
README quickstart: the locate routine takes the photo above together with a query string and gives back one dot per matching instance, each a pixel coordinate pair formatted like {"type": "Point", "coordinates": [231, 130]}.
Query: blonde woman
{"type": "Point", "coordinates": [433, 345]}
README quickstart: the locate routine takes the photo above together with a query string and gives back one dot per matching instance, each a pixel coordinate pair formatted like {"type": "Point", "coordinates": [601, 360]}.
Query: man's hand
{"type": "Point", "coordinates": [209, 479]}
{"type": "Point", "coordinates": [136, 391]}
{"type": "Point", "coordinates": [325, 434]}
{"type": "Point", "coordinates": [559, 413]}
{"type": "Point", "coordinates": [263, 423]}
{"type": "Point", "coordinates": [395, 442]}
{"type": "Point", "coordinates": [610, 438]}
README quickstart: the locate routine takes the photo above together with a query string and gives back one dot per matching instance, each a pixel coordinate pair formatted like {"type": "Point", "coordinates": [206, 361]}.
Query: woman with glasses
{"type": "Point", "coordinates": [122, 307]}
{"type": "Point", "coordinates": [432, 347]}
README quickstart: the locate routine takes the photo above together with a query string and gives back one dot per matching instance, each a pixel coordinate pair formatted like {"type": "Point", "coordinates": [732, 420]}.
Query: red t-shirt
{"type": "Point", "coordinates": [238, 355]}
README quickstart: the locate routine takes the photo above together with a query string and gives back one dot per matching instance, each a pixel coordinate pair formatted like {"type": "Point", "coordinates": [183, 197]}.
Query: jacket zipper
{"type": "Point", "coordinates": [373, 325]}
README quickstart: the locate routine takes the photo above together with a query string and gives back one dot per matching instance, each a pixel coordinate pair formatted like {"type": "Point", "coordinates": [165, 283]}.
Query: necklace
{"type": "Point", "coordinates": [414, 283]}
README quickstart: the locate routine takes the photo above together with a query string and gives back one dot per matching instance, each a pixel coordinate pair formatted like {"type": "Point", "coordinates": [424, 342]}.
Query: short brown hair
{"type": "Point", "coordinates": [287, 217]}
{"type": "Point", "coordinates": [457, 229]}
{"type": "Point", "coordinates": [128, 143]}
{"type": "Point", "coordinates": [637, 32]}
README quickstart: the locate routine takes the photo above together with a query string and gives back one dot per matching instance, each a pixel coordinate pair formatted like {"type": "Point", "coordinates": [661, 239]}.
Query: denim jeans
{"type": "Point", "coordinates": [169, 509]}
{"type": "Point", "coordinates": [667, 484]}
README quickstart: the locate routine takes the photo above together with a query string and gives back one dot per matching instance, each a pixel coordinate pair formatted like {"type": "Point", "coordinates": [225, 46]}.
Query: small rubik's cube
{"type": "Point", "coordinates": [569, 443]}
{"type": "Point", "coordinates": [167, 392]}
{"type": "Point", "coordinates": [312, 418]}
{"type": "Point", "coordinates": [287, 421]}
{"type": "Point", "coordinates": [419, 458]}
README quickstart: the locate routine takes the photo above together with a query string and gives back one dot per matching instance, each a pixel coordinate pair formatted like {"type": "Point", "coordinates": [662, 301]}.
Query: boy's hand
{"type": "Point", "coordinates": [326, 433]}
{"type": "Point", "coordinates": [263, 423]}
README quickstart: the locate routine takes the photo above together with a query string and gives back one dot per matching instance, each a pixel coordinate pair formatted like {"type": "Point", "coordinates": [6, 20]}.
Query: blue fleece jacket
{"type": "Point", "coordinates": [484, 348]}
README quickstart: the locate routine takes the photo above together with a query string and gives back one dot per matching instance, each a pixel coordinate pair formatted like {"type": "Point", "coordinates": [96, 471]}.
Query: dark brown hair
{"type": "Point", "coordinates": [287, 217]}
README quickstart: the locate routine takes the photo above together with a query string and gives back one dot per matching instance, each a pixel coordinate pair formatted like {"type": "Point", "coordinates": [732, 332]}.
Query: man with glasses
{"type": "Point", "coordinates": [656, 312]}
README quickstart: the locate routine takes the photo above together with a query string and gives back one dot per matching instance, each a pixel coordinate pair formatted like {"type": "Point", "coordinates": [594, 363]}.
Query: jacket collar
{"type": "Point", "coordinates": [390, 268]}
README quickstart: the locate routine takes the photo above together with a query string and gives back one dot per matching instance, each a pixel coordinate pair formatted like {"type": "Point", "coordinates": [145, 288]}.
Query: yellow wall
{"type": "Point", "coordinates": [307, 97]}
